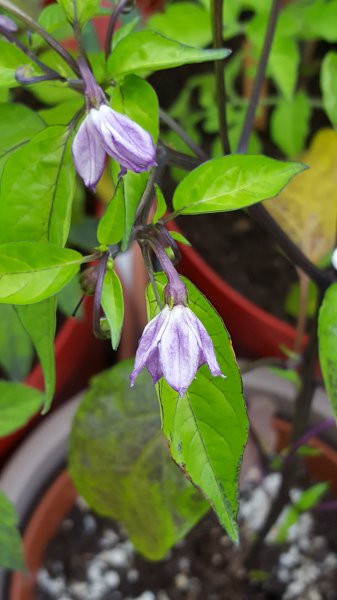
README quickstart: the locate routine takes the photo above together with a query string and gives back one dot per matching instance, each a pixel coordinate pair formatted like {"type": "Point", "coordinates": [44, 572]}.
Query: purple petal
{"type": "Point", "coordinates": [148, 344]}
{"type": "Point", "coordinates": [153, 366]}
{"type": "Point", "coordinates": [7, 23]}
{"type": "Point", "coordinates": [205, 343]}
{"type": "Point", "coordinates": [179, 351]}
{"type": "Point", "coordinates": [88, 153]}
{"type": "Point", "coordinates": [124, 140]}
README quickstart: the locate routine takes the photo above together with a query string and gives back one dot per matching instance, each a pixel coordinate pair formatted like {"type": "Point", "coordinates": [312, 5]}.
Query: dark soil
{"type": "Point", "coordinates": [205, 566]}
{"type": "Point", "coordinates": [245, 255]}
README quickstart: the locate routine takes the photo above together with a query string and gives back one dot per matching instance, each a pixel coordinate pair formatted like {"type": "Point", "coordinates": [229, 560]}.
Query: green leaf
{"type": "Point", "coordinates": [120, 463]}
{"type": "Point", "coordinates": [306, 501]}
{"type": "Point", "coordinates": [232, 182]}
{"type": "Point", "coordinates": [111, 226]}
{"type": "Point", "coordinates": [44, 167]}
{"type": "Point", "coordinates": [39, 320]}
{"type": "Point", "coordinates": [283, 65]}
{"type": "Point", "coordinates": [113, 304]}
{"type": "Point", "coordinates": [18, 124]}
{"type": "Point", "coordinates": [33, 271]}
{"type": "Point", "coordinates": [134, 186]}
{"type": "Point", "coordinates": [18, 404]}
{"type": "Point", "coordinates": [149, 51]}
{"type": "Point", "coordinates": [161, 205]}
{"type": "Point", "coordinates": [54, 20]}
{"type": "Point", "coordinates": [69, 297]}
{"type": "Point", "coordinates": [11, 58]}
{"type": "Point", "coordinates": [11, 551]}
{"type": "Point", "coordinates": [328, 78]}
{"type": "Point", "coordinates": [207, 427]}
{"type": "Point", "coordinates": [62, 113]}
{"type": "Point", "coordinates": [179, 237]}
{"type": "Point", "coordinates": [85, 9]}
{"type": "Point", "coordinates": [327, 338]}
{"type": "Point", "coordinates": [184, 22]}
{"type": "Point", "coordinates": [290, 124]}
{"type": "Point", "coordinates": [137, 99]}
{"type": "Point", "coordinates": [16, 349]}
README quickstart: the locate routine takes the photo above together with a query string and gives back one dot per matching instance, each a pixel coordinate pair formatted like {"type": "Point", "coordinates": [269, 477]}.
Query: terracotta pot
{"type": "Point", "coordinates": [78, 355]}
{"type": "Point", "coordinates": [254, 332]}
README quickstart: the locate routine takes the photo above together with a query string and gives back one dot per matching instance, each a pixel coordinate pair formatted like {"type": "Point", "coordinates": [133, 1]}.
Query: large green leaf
{"type": "Point", "coordinates": [11, 552]}
{"type": "Point", "coordinates": [184, 22]}
{"type": "Point", "coordinates": [11, 58]}
{"type": "Point", "coordinates": [85, 9]}
{"type": "Point", "coordinates": [18, 403]}
{"type": "Point", "coordinates": [39, 320]}
{"type": "Point", "coordinates": [328, 77]}
{"type": "Point", "coordinates": [30, 272]}
{"type": "Point", "coordinates": [44, 167]}
{"type": "Point", "coordinates": [120, 463]}
{"type": "Point", "coordinates": [18, 124]}
{"type": "Point", "coordinates": [16, 349]}
{"type": "Point", "coordinates": [54, 20]}
{"type": "Point", "coordinates": [232, 182]}
{"type": "Point", "coordinates": [137, 99]}
{"type": "Point", "coordinates": [290, 124]}
{"type": "Point", "coordinates": [149, 51]}
{"type": "Point", "coordinates": [207, 427]}
{"type": "Point", "coordinates": [327, 338]}
{"type": "Point", "coordinates": [113, 304]}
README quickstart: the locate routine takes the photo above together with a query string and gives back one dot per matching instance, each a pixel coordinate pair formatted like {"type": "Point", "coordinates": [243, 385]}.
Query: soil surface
{"type": "Point", "coordinates": [245, 255]}
{"type": "Point", "coordinates": [91, 558]}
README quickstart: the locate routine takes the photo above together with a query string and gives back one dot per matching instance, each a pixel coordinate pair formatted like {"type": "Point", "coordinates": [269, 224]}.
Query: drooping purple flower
{"type": "Point", "coordinates": [174, 345]}
{"type": "Point", "coordinates": [7, 24]}
{"type": "Point", "coordinates": [106, 131]}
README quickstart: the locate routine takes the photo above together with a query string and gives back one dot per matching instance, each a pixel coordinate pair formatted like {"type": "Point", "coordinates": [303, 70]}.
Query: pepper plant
{"type": "Point", "coordinates": [67, 120]}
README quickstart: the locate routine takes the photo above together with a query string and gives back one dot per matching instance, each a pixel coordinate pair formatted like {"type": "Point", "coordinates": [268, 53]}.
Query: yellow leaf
{"type": "Point", "coordinates": [307, 208]}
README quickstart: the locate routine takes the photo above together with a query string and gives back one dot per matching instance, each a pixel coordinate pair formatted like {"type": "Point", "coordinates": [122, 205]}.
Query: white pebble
{"type": "Point", "coordinates": [110, 538]}
{"type": "Point", "coordinates": [132, 575]}
{"type": "Point", "coordinates": [283, 575]}
{"type": "Point", "coordinates": [94, 570]}
{"type": "Point", "coordinates": [182, 582]}
{"type": "Point", "coordinates": [146, 596]}
{"type": "Point", "coordinates": [184, 563]}
{"type": "Point", "coordinates": [291, 558]}
{"type": "Point", "coordinates": [116, 557]}
{"type": "Point", "coordinates": [80, 590]}
{"type": "Point", "coordinates": [96, 590]}
{"type": "Point", "coordinates": [112, 579]}
{"type": "Point", "coordinates": [89, 524]}
{"type": "Point", "coordinates": [330, 561]}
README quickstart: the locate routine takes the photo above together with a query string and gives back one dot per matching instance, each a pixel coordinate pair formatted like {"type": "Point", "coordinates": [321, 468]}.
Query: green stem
{"type": "Point", "coordinates": [217, 19]}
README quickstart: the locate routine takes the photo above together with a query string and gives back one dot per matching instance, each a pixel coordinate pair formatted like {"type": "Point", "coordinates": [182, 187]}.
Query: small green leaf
{"type": "Point", "coordinates": [134, 186]}
{"type": "Point", "coordinates": [290, 124]}
{"type": "Point", "coordinates": [39, 320]}
{"type": "Point", "coordinates": [184, 22]}
{"type": "Point", "coordinates": [113, 305]}
{"type": "Point", "coordinates": [179, 237]}
{"type": "Point", "coordinates": [120, 463]}
{"type": "Point", "coordinates": [85, 9]}
{"type": "Point", "coordinates": [207, 427]}
{"type": "Point", "coordinates": [111, 226]}
{"type": "Point", "coordinates": [16, 349]}
{"type": "Point", "coordinates": [306, 501]}
{"type": "Point", "coordinates": [11, 551]}
{"type": "Point", "coordinates": [328, 77]}
{"type": "Point", "coordinates": [232, 182]}
{"type": "Point", "coordinates": [18, 124]}
{"type": "Point", "coordinates": [53, 19]}
{"type": "Point", "coordinates": [69, 297]}
{"type": "Point", "coordinates": [161, 205]}
{"type": "Point", "coordinates": [149, 51]}
{"type": "Point", "coordinates": [18, 404]}
{"type": "Point", "coordinates": [33, 271]}
{"type": "Point", "coordinates": [137, 99]}
{"type": "Point", "coordinates": [327, 338]}
{"type": "Point", "coordinates": [11, 58]}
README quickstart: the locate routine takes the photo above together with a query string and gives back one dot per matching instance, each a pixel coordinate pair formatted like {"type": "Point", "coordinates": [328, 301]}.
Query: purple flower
{"type": "Point", "coordinates": [106, 131]}
{"type": "Point", "coordinates": [174, 345]}
{"type": "Point", "coordinates": [7, 24]}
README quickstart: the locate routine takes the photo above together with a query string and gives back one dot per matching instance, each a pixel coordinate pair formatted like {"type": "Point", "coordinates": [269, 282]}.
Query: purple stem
{"type": "Point", "coordinates": [313, 432]}
{"type": "Point", "coordinates": [325, 506]}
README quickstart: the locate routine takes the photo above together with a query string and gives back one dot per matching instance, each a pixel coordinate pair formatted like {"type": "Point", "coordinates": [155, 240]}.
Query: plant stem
{"type": "Point", "coordinates": [145, 203]}
{"type": "Point", "coordinates": [217, 18]}
{"type": "Point", "coordinates": [118, 8]}
{"type": "Point", "coordinates": [49, 39]}
{"type": "Point", "coordinates": [299, 425]}
{"type": "Point", "coordinates": [259, 78]}
{"type": "Point", "coordinates": [167, 119]}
